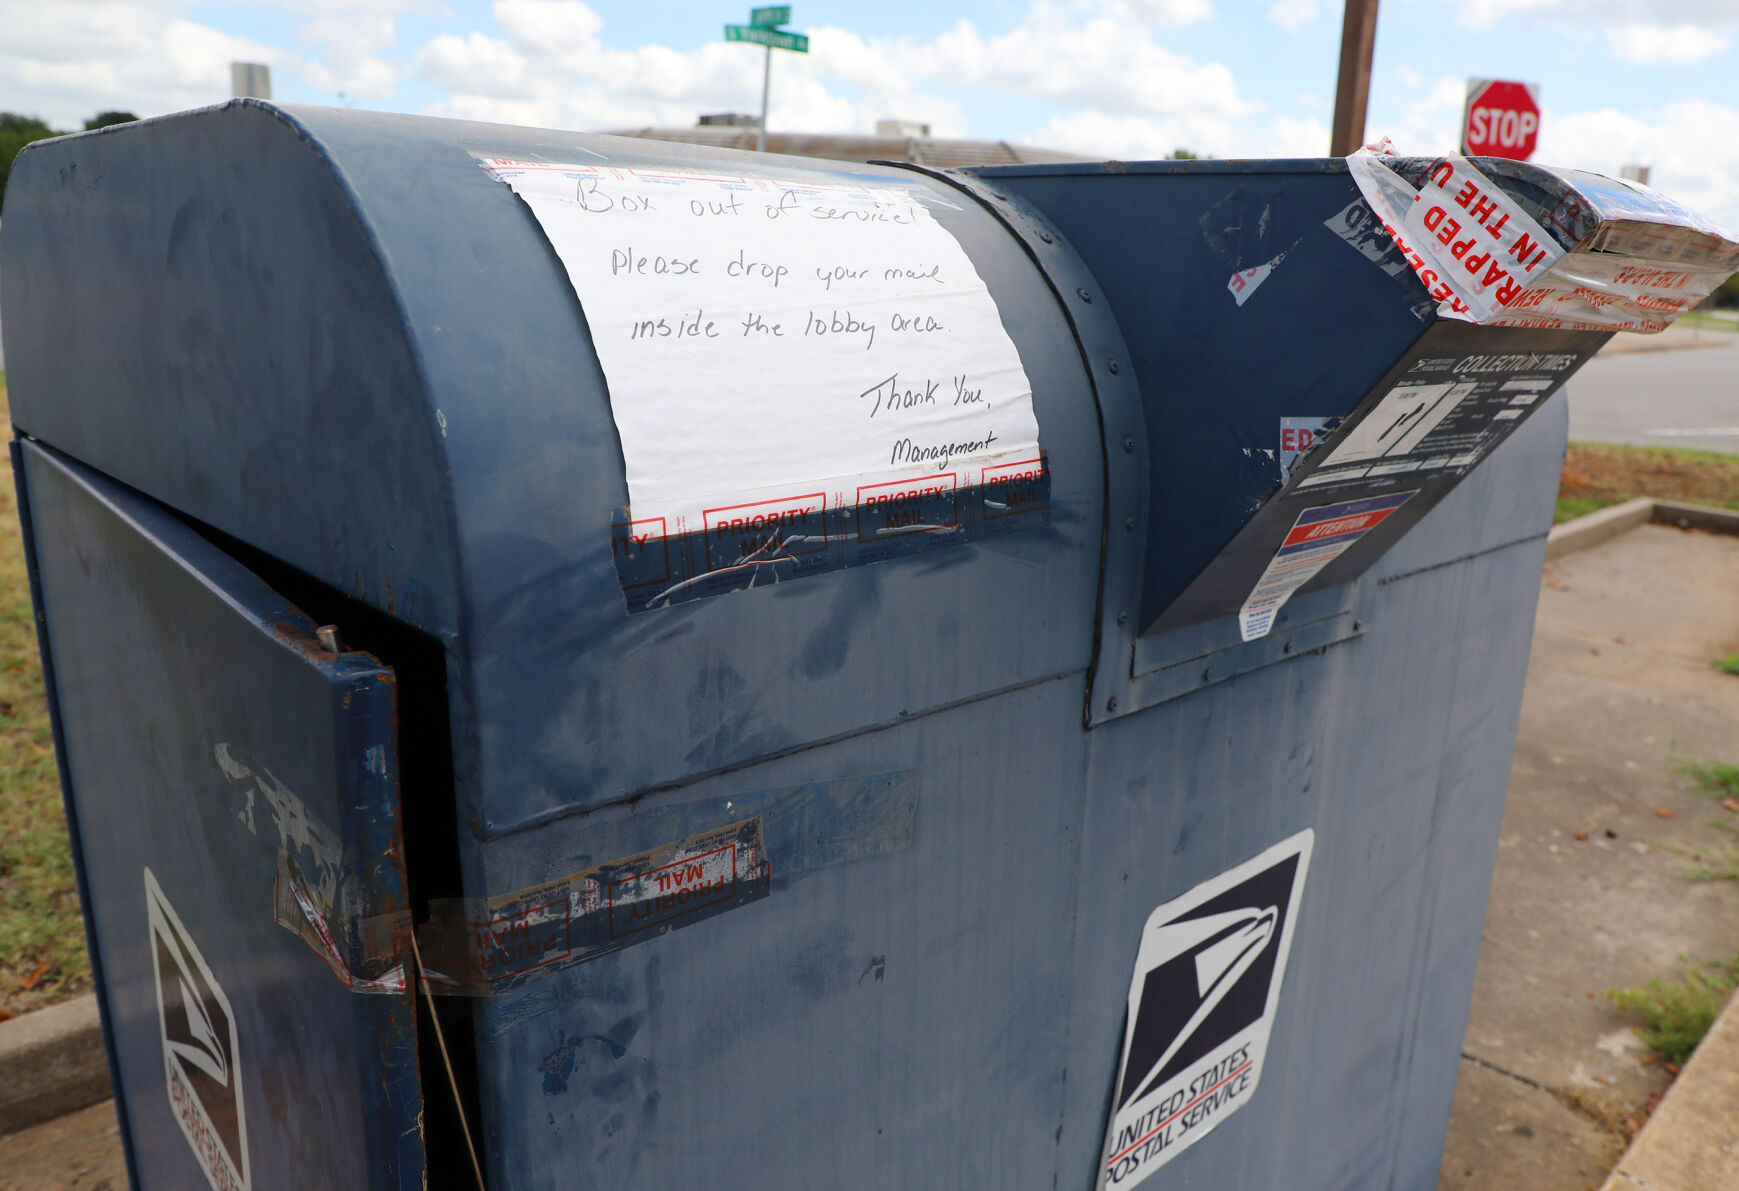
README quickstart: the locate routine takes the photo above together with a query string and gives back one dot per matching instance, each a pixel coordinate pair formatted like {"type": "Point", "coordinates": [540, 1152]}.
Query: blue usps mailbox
{"type": "Point", "coordinates": [542, 706]}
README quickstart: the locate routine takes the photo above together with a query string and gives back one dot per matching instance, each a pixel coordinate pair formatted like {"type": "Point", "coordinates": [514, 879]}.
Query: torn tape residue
{"type": "Point", "coordinates": [477, 947]}
{"type": "Point", "coordinates": [481, 946]}
{"type": "Point", "coordinates": [772, 540]}
{"type": "Point", "coordinates": [724, 856]}
{"type": "Point", "coordinates": [1298, 437]}
{"type": "Point", "coordinates": [1243, 284]}
{"type": "Point", "coordinates": [299, 831]}
{"type": "Point", "coordinates": [298, 908]}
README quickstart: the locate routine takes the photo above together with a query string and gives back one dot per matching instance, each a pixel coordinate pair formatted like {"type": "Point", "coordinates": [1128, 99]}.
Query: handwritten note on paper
{"type": "Point", "coordinates": [783, 344]}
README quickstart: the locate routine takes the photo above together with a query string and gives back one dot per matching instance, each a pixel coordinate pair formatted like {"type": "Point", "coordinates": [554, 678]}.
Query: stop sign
{"type": "Point", "coordinates": [1502, 120]}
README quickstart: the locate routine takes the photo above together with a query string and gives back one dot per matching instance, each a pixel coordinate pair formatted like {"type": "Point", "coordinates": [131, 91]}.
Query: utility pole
{"type": "Point", "coordinates": [1352, 93]}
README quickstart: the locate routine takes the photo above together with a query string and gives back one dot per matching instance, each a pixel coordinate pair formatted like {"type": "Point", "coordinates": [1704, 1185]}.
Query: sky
{"type": "Point", "coordinates": [1650, 82]}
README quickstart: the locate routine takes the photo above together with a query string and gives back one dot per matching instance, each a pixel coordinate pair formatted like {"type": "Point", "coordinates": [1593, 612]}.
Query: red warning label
{"type": "Point", "coordinates": [907, 506]}
{"type": "Point", "coordinates": [765, 530]}
{"type": "Point", "coordinates": [1008, 489]}
{"type": "Point", "coordinates": [670, 891]}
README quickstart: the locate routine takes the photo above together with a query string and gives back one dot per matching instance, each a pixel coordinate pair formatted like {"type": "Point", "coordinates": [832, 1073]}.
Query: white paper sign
{"type": "Point", "coordinates": [775, 341]}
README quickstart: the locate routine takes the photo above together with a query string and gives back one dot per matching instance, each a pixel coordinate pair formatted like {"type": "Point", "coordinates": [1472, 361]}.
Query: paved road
{"type": "Point", "coordinates": [1683, 398]}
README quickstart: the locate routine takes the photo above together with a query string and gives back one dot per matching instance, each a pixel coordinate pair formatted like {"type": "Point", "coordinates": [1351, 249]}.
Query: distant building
{"type": "Point", "coordinates": [895, 140]}
{"type": "Point", "coordinates": [250, 80]}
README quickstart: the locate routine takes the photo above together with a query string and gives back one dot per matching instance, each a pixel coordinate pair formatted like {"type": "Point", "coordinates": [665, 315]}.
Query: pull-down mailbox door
{"type": "Point", "coordinates": [224, 773]}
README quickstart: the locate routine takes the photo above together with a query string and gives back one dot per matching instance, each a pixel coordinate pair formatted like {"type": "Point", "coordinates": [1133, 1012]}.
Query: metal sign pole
{"type": "Point", "coordinates": [763, 29]}
{"type": "Point", "coordinates": [1358, 41]}
{"type": "Point", "coordinates": [766, 85]}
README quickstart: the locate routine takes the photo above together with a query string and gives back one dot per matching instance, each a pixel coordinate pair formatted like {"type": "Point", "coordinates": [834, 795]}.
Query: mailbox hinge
{"type": "Point", "coordinates": [1122, 430]}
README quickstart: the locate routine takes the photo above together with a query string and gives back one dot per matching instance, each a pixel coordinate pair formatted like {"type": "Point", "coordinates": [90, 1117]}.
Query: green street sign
{"type": "Point", "coordinates": [768, 37]}
{"type": "Point", "coordinates": [770, 18]}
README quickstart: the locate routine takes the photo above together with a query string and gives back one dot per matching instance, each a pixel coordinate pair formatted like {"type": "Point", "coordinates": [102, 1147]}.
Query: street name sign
{"type": "Point", "coordinates": [773, 38]}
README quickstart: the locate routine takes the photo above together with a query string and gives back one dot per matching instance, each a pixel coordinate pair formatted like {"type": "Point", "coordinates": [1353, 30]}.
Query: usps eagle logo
{"type": "Point", "coordinates": [200, 1054]}
{"type": "Point", "coordinates": [1201, 1006]}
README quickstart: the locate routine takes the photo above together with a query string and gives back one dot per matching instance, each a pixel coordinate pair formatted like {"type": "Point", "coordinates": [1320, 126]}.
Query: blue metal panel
{"type": "Point", "coordinates": [259, 334]}
{"type": "Point", "coordinates": [204, 732]}
{"type": "Point", "coordinates": [889, 1021]}
{"type": "Point", "coordinates": [1217, 376]}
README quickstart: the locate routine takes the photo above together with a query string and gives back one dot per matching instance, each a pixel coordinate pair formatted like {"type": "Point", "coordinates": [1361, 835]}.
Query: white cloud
{"type": "Point", "coordinates": [360, 77]}
{"type": "Point", "coordinates": [346, 39]}
{"type": "Point", "coordinates": [1097, 63]}
{"type": "Point", "coordinates": [1294, 15]}
{"type": "Point", "coordinates": [68, 60]}
{"type": "Point", "coordinates": [1692, 147]}
{"type": "Point", "coordinates": [1483, 14]}
{"type": "Point", "coordinates": [1293, 137]}
{"type": "Point", "coordinates": [1636, 30]}
{"type": "Point", "coordinates": [1428, 120]}
{"type": "Point", "coordinates": [1666, 43]}
{"type": "Point", "coordinates": [1153, 14]}
{"type": "Point", "coordinates": [551, 68]}
{"type": "Point", "coordinates": [549, 65]}
{"type": "Point", "coordinates": [1098, 134]}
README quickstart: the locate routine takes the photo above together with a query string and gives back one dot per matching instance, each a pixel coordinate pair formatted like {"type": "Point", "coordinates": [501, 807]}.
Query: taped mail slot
{"type": "Point", "coordinates": [587, 661]}
{"type": "Point", "coordinates": [1407, 314]}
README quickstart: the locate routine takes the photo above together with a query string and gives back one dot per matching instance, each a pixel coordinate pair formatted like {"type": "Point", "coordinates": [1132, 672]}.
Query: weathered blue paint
{"type": "Point", "coordinates": [363, 364]}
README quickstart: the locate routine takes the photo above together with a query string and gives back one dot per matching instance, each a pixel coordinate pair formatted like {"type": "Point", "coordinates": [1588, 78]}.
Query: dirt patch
{"type": "Point", "coordinates": [1596, 475]}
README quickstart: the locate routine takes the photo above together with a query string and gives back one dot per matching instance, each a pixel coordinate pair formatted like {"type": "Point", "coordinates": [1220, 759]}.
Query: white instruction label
{"type": "Point", "coordinates": [1406, 414]}
{"type": "Point", "coordinates": [1201, 1008]}
{"type": "Point", "coordinates": [774, 341]}
{"type": "Point", "coordinates": [1317, 538]}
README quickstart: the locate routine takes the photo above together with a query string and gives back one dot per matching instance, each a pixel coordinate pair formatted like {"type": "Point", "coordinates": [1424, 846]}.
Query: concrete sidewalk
{"type": "Point", "coordinates": [1591, 890]}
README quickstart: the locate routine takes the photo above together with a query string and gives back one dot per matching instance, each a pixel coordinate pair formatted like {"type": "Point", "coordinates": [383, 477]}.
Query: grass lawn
{"type": "Point", "coordinates": [42, 942]}
{"type": "Point", "coordinates": [1597, 475]}
{"type": "Point", "coordinates": [1710, 320]}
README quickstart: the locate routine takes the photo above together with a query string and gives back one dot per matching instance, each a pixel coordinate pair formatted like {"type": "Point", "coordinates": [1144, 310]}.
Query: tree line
{"type": "Point", "coordinates": [17, 131]}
